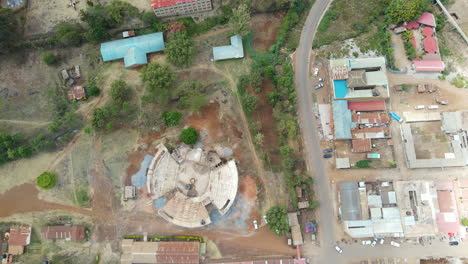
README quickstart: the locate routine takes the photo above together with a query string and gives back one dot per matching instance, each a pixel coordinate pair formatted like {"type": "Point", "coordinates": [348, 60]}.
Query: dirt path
{"type": "Point", "coordinates": [401, 61]}
{"type": "Point", "coordinates": [25, 122]}
{"type": "Point", "coordinates": [258, 162]}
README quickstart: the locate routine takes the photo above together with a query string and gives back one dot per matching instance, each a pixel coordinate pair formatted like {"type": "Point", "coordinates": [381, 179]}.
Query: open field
{"type": "Point", "coordinates": [429, 140]}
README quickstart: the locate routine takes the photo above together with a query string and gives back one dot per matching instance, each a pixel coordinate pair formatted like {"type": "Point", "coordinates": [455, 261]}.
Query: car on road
{"type": "Point", "coordinates": [315, 71]}
{"type": "Point", "coordinates": [374, 242]}
{"type": "Point", "coordinates": [366, 242]}
{"type": "Point", "coordinates": [327, 156]}
{"type": "Point", "coordinates": [320, 79]}
{"type": "Point", "coordinates": [265, 219]}
{"type": "Point", "coordinates": [328, 150]}
{"type": "Point", "coordinates": [255, 224]}
{"type": "Point", "coordinates": [395, 244]}
{"type": "Point", "coordinates": [318, 86]}
{"type": "Point", "coordinates": [338, 249]}
{"type": "Point", "coordinates": [381, 241]}
{"type": "Point", "coordinates": [453, 243]}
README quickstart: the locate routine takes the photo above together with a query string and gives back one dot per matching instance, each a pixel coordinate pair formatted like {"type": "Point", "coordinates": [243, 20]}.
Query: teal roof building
{"type": "Point", "coordinates": [233, 51]}
{"type": "Point", "coordinates": [133, 50]}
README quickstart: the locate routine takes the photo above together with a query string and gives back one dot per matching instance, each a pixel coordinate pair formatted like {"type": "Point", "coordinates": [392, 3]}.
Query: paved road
{"type": "Point", "coordinates": [309, 128]}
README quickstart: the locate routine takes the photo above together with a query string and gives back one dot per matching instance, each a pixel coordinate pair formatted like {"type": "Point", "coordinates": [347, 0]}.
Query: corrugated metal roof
{"type": "Point", "coordinates": [342, 119]}
{"type": "Point", "coordinates": [427, 19]}
{"type": "Point", "coordinates": [233, 51]}
{"type": "Point", "coordinates": [164, 3]}
{"type": "Point", "coordinates": [342, 163]}
{"type": "Point", "coordinates": [431, 66]}
{"type": "Point", "coordinates": [391, 212]}
{"type": "Point", "coordinates": [367, 63]}
{"type": "Point", "coordinates": [350, 201]}
{"type": "Point", "coordinates": [430, 45]}
{"type": "Point", "coordinates": [72, 233]}
{"type": "Point", "coordinates": [367, 106]}
{"type": "Point", "coordinates": [361, 145]}
{"type": "Point", "coordinates": [376, 213]}
{"type": "Point", "coordinates": [377, 78]}
{"type": "Point", "coordinates": [360, 228]}
{"type": "Point", "coordinates": [133, 50]}
{"type": "Point", "coordinates": [374, 201]}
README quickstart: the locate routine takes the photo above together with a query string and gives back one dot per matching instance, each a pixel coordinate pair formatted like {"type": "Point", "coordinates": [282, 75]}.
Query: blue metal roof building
{"type": "Point", "coordinates": [133, 50]}
{"type": "Point", "coordinates": [342, 119]}
{"type": "Point", "coordinates": [233, 51]}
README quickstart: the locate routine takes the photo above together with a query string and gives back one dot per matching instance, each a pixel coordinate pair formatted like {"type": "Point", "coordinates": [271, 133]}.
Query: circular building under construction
{"type": "Point", "coordinates": [190, 182]}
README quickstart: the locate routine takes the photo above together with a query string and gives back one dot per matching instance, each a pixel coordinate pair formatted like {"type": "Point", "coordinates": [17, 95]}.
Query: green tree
{"type": "Point", "coordinates": [464, 221]}
{"type": "Point", "coordinates": [189, 136]}
{"type": "Point", "coordinates": [172, 118]}
{"type": "Point", "coordinates": [7, 29]}
{"type": "Point", "coordinates": [24, 151]}
{"type": "Point", "coordinates": [46, 180]}
{"type": "Point", "coordinates": [313, 204]}
{"type": "Point", "coordinates": [405, 10]}
{"type": "Point", "coordinates": [120, 91]}
{"type": "Point", "coordinates": [99, 117]}
{"type": "Point", "coordinates": [410, 50]}
{"type": "Point", "coordinates": [69, 34]}
{"type": "Point", "coordinates": [240, 20]}
{"type": "Point", "coordinates": [159, 80]}
{"type": "Point", "coordinates": [363, 164]}
{"type": "Point", "coordinates": [49, 58]}
{"type": "Point", "coordinates": [94, 90]}
{"type": "Point", "coordinates": [180, 49]}
{"type": "Point", "coordinates": [278, 220]}
{"type": "Point", "coordinates": [118, 10]}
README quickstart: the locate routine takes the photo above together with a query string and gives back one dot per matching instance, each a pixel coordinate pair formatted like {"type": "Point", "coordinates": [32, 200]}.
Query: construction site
{"type": "Point", "coordinates": [189, 183]}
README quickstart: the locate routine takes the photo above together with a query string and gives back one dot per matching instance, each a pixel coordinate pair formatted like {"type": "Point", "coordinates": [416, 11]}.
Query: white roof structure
{"type": "Point", "coordinates": [342, 163]}
{"type": "Point", "coordinates": [190, 179]}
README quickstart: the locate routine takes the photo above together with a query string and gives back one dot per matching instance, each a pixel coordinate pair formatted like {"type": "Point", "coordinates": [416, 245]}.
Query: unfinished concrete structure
{"type": "Point", "coordinates": [165, 8]}
{"type": "Point", "coordinates": [188, 183]}
{"type": "Point", "coordinates": [388, 209]}
{"type": "Point", "coordinates": [454, 125]}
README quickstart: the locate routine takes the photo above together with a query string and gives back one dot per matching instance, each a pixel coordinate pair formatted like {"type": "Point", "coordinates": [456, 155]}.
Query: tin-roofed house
{"type": "Point", "coordinates": [67, 233]}
{"type": "Point", "coordinates": [19, 237]}
{"type": "Point", "coordinates": [134, 50]}
{"type": "Point", "coordinates": [233, 51]}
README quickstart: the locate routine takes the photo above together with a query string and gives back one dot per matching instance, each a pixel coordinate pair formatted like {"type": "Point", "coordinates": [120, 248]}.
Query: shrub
{"type": "Point", "coordinates": [82, 197]}
{"type": "Point", "coordinates": [93, 90]}
{"type": "Point", "coordinates": [363, 164]}
{"type": "Point", "coordinates": [189, 136]}
{"type": "Point", "coordinates": [410, 50]}
{"type": "Point", "coordinates": [172, 118]}
{"type": "Point", "coordinates": [180, 49]}
{"type": "Point", "coordinates": [249, 102]}
{"type": "Point", "coordinates": [49, 58]}
{"type": "Point", "coordinates": [464, 221]}
{"type": "Point", "coordinates": [46, 180]}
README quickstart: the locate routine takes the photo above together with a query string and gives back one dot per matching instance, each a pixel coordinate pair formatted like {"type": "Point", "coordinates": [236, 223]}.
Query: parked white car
{"type": "Point", "coordinates": [382, 241]}
{"type": "Point", "coordinates": [338, 249]}
{"type": "Point", "coordinates": [265, 219]}
{"type": "Point", "coordinates": [366, 242]}
{"type": "Point", "coordinates": [433, 107]}
{"type": "Point", "coordinates": [395, 244]}
{"type": "Point", "coordinates": [316, 72]}
{"type": "Point", "coordinates": [374, 242]}
{"type": "Point", "coordinates": [255, 224]}
{"type": "Point", "coordinates": [419, 107]}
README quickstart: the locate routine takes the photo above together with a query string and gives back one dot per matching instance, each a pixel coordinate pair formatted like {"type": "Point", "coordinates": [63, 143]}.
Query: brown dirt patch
{"type": "Point", "coordinates": [24, 198]}
{"type": "Point", "coordinates": [434, 261]}
{"type": "Point", "coordinates": [134, 159]}
{"type": "Point", "coordinates": [248, 187]}
{"type": "Point", "coordinates": [265, 28]}
{"type": "Point", "coordinates": [207, 121]}
{"type": "Point", "coordinates": [264, 115]}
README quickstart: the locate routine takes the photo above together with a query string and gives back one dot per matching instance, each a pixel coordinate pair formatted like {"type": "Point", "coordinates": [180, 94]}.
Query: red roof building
{"type": "Point", "coordinates": [428, 66]}
{"type": "Point", "coordinates": [361, 145]}
{"type": "Point", "coordinates": [427, 19]}
{"type": "Point", "coordinates": [428, 31]}
{"type": "Point", "coordinates": [19, 237]}
{"type": "Point", "coordinates": [430, 45]}
{"type": "Point", "coordinates": [447, 219]}
{"type": "Point", "coordinates": [367, 106]}
{"type": "Point", "coordinates": [67, 233]}
{"type": "Point", "coordinates": [76, 92]}
{"type": "Point", "coordinates": [165, 8]}
{"type": "Point", "coordinates": [412, 25]}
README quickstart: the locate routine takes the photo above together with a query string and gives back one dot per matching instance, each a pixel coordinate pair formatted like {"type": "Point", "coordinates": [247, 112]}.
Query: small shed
{"type": "Point", "coordinates": [342, 163]}
{"type": "Point", "coordinates": [373, 156]}
{"type": "Point", "coordinates": [303, 205]}
{"type": "Point", "coordinates": [65, 74]}
{"type": "Point", "coordinates": [299, 191]}
{"type": "Point", "coordinates": [129, 192]}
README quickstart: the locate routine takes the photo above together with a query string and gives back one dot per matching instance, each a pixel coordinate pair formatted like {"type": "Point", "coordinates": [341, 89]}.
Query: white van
{"type": "Point", "coordinates": [395, 244]}
{"type": "Point", "coordinates": [419, 107]}
{"type": "Point", "coordinates": [433, 107]}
